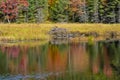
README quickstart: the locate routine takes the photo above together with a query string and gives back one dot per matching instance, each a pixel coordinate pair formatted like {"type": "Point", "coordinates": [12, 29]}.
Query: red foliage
{"type": "Point", "coordinates": [24, 3]}
{"type": "Point", "coordinates": [10, 8]}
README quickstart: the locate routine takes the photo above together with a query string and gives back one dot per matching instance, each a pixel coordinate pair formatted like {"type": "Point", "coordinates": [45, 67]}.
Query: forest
{"type": "Point", "coordinates": [59, 39]}
{"type": "Point", "coordinates": [59, 11]}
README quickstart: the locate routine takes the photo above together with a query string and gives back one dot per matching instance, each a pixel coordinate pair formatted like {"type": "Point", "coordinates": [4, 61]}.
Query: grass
{"type": "Point", "coordinates": [14, 32]}
{"type": "Point", "coordinates": [25, 43]}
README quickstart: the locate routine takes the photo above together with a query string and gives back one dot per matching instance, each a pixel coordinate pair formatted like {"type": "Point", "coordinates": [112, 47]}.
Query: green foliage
{"type": "Point", "coordinates": [93, 11]}
{"type": "Point", "coordinates": [58, 11]}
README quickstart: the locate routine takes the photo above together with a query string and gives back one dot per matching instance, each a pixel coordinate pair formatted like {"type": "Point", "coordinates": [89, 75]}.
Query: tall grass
{"type": "Point", "coordinates": [11, 32]}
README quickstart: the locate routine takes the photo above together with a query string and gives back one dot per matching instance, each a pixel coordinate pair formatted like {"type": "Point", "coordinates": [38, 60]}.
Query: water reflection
{"type": "Point", "coordinates": [74, 61]}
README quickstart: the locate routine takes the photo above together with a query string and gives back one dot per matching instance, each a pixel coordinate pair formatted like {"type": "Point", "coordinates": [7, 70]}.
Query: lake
{"type": "Point", "coordinates": [69, 61]}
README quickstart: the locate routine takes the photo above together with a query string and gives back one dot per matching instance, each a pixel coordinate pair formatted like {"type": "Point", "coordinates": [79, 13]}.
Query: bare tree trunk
{"type": "Point", "coordinates": [73, 17]}
{"type": "Point", "coordinates": [26, 16]}
{"type": "Point", "coordinates": [113, 19]}
{"type": "Point", "coordinates": [7, 18]}
{"type": "Point", "coordinates": [39, 15]}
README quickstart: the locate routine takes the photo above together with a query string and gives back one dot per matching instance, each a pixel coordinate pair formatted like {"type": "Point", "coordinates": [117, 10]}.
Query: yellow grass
{"type": "Point", "coordinates": [40, 31]}
{"type": "Point", "coordinates": [25, 43]}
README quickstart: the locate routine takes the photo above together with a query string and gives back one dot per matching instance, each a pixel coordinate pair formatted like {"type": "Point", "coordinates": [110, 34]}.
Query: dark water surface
{"type": "Point", "coordinates": [73, 61]}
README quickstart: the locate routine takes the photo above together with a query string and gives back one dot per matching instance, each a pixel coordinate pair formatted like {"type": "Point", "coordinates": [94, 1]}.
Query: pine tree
{"type": "Point", "coordinates": [38, 10]}
{"type": "Point", "coordinates": [31, 11]}
{"type": "Point", "coordinates": [41, 10]}
{"type": "Point", "coordinates": [102, 11]}
{"type": "Point", "coordinates": [96, 13]}
{"type": "Point", "coordinates": [23, 10]}
{"type": "Point", "coordinates": [118, 12]}
{"type": "Point", "coordinates": [90, 8]}
{"type": "Point", "coordinates": [58, 11]}
{"type": "Point", "coordinates": [110, 11]}
{"type": "Point", "coordinates": [83, 9]}
{"type": "Point", "coordinates": [78, 11]}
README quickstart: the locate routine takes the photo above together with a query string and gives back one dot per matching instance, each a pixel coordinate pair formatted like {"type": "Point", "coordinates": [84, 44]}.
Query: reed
{"type": "Point", "coordinates": [14, 32]}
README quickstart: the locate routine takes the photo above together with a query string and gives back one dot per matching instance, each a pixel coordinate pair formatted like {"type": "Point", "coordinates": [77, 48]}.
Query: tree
{"type": "Point", "coordinates": [24, 8]}
{"type": "Point", "coordinates": [93, 11]}
{"type": "Point", "coordinates": [118, 12]}
{"type": "Point", "coordinates": [31, 11]}
{"type": "Point", "coordinates": [58, 11]}
{"type": "Point", "coordinates": [90, 8]}
{"type": "Point", "coordinates": [41, 10]}
{"type": "Point", "coordinates": [38, 10]}
{"type": "Point", "coordinates": [83, 9]}
{"type": "Point", "coordinates": [75, 10]}
{"type": "Point", "coordinates": [9, 9]}
{"type": "Point", "coordinates": [102, 11]}
{"type": "Point", "coordinates": [111, 11]}
{"type": "Point", "coordinates": [51, 2]}
{"type": "Point", "coordinates": [96, 13]}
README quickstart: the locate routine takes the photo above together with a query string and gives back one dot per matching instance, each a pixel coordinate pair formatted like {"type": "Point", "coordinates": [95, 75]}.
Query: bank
{"type": "Point", "coordinates": [33, 32]}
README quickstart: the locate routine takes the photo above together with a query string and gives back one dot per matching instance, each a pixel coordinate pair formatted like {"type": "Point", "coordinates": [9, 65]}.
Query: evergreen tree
{"type": "Point", "coordinates": [23, 11]}
{"type": "Point", "coordinates": [102, 11]}
{"type": "Point", "coordinates": [118, 12]}
{"type": "Point", "coordinates": [111, 11]}
{"type": "Point", "coordinates": [93, 11]}
{"type": "Point", "coordinates": [90, 8]}
{"type": "Point", "coordinates": [31, 11]}
{"type": "Point", "coordinates": [58, 11]}
{"type": "Point", "coordinates": [77, 10]}
{"type": "Point", "coordinates": [41, 10]}
{"type": "Point", "coordinates": [84, 16]}
{"type": "Point", "coordinates": [96, 13]}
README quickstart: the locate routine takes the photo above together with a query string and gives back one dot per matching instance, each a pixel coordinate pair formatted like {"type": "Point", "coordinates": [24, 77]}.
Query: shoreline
{"type": "Point", "coordinates": [34, 32]}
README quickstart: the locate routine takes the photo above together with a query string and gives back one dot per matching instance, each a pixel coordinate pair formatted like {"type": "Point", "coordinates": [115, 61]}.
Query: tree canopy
{"type": "Point", "coordinates": [82, 11]}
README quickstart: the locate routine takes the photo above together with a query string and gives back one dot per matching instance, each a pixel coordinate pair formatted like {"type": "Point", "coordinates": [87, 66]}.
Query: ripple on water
{"type": "Point", "coordinates": [19, 77]}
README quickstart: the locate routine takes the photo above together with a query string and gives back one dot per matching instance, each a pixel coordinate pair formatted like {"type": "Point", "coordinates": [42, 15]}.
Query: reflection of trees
{"type": "Point", "coordinates": [37, 58]}
{"type": "Point", "coordinates": [99, 59]}
{"type": "Point", "coordinates": [93, 57]}
{"type": "Point", "coordinates": [96, 59]}
{"type": "Point", "coordinates": [25, 59]}
{"type": "Point", "coordinates": [79, 58]}
{"type": "Point", "coordinates": [107, 68]}
{"type": "Point", "coordinates": [23, 63]}
{"type": "Point", "coordinates": [11, 59]}
{"type": "Point", "coordinates": [114, 50]}
{"type": "Point", "coordinates": [57, 61]}
{"type": "Point", "coordinates": [16, 58]}
{"type": "Point", "coordinates": [2, 63]}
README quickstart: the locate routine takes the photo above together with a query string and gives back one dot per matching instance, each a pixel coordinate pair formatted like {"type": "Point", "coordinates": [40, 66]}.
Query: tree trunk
{"type": "Point", "coordinates": [39, 15]}
{"type": "Point", "coordinates": [26, 16]}
{"type": "Point", "coordinates": [7, 18]}
{"type": "Point", "coordinates": [113, 19]}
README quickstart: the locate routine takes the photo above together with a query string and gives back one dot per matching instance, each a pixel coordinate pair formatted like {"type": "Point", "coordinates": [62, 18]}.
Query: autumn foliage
{"type": "Point", "coordinates": [10, 8]}
{"type": "Point", "coordinates": [38, 11]}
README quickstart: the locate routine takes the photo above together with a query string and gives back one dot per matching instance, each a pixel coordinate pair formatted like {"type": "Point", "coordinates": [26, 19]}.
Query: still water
{"type": "Point", "coordinates": [71, 61]}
